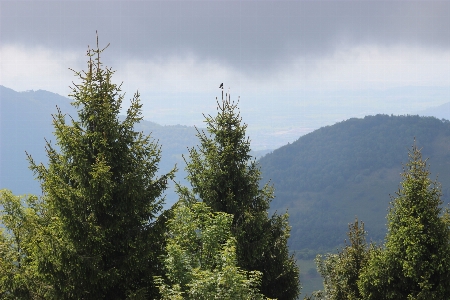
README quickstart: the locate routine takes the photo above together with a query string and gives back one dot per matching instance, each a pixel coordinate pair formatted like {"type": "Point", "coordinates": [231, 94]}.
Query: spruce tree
{"type": "Point", "coordinates": [224, 175]}
{"type": "Point", "coordinates": [102, 195]}
{"type": "Point", "coordinates": [341, 271]}
{"type": "Point", "coordinates": [415, 263]}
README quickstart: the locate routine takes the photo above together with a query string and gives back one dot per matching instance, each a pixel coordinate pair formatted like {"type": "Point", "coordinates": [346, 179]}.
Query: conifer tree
{"type": "Point", "coordinates": [102, 196]}
{"type": "Point", "coordinates": [224, 176]}
{"type": "Point", "coordinates": [341, 271]}
{"type": "Point", "coordinates": [415, 263]}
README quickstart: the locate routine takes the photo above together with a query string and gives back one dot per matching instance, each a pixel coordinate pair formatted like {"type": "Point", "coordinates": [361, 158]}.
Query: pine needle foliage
{"type": "Point", "coordinates": [102, 194]}
{"type": "Point", "coordinates": [415, 263]}
{"type": "Point", "coordinates": [341, 271]}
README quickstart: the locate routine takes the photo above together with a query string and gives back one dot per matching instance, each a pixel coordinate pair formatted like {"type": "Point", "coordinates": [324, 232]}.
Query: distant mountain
{"type": "Point", "coordinates": [330, 176]}
{"type": "Point", "coordinates": [26, 121]}
{"type": "Point", "coordinates": [440, 112]}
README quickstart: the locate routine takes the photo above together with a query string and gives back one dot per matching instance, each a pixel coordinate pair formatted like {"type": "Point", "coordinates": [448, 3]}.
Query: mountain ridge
{"type": "Point", "coordinates": [330, 176]}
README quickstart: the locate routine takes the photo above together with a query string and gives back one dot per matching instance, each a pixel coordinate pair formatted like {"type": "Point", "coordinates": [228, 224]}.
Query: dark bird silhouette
{"type": "Point", "coordinates": [221, 86]}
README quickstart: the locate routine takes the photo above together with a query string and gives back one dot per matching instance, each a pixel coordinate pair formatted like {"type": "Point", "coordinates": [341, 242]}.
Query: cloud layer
{"type": "Point", "coordinates": [348, 68]}
{"type": "Point", "coordinates": [297, 65]}
{"type": "Point", "coordinates": [249, 35]}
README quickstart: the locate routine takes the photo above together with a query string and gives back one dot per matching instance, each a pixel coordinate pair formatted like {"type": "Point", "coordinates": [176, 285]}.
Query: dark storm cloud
{"type": "Point", "coordinates": [249, 35]}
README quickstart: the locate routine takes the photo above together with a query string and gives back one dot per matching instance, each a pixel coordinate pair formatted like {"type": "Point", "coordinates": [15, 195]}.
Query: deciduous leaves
{"type": "Point", "coordinates": [22, 218]}
{"type": "Point", "coordinates": [201, 257]}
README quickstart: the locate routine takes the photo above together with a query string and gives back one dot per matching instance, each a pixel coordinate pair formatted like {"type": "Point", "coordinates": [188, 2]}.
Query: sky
{"type": "Point", "coordinates": [294, 65]}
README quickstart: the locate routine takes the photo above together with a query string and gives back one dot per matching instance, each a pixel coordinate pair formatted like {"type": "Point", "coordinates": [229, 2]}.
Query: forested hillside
{"type": "Point", "coordinates": [328, 177]}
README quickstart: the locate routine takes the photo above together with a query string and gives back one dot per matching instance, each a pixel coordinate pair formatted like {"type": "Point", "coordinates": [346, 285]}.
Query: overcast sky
{"type": "Point", "coordinates": [296, 65]}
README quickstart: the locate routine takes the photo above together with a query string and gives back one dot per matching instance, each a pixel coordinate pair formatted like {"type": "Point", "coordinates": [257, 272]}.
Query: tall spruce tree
{"type": "Point", "coordinates": [102, 196]}
{"type": "Point", "coordinates": [415, 263]}
{"type": "Point", "coordinates": [224, 176]}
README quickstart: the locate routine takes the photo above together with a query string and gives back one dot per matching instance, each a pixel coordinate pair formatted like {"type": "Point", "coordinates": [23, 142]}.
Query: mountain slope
{"type": "Point", "coordinates": [328, 177]}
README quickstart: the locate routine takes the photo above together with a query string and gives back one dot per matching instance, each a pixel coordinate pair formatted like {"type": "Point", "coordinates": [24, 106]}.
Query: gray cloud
{"type": "Point", "coordinates": [252, 36]}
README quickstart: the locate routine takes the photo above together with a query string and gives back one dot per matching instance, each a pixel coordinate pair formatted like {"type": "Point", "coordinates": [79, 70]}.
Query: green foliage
{"type": "Point", "coordinates": [415, 263]}
{"type": "Point", "coordinates": [341, 271]}
{"type": "Point", "coordinates": [102, 196]}
{"type": "Point", "coordinates": [224, 176]}
{"type": "Point", "coordinates": [201, 257]}
{"type": "Point", "coordinates": [22, 219]}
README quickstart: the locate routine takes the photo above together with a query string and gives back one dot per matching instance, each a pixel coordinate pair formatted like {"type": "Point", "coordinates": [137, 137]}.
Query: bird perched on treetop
{"type": "Point", "coordinates": [221, 86]}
